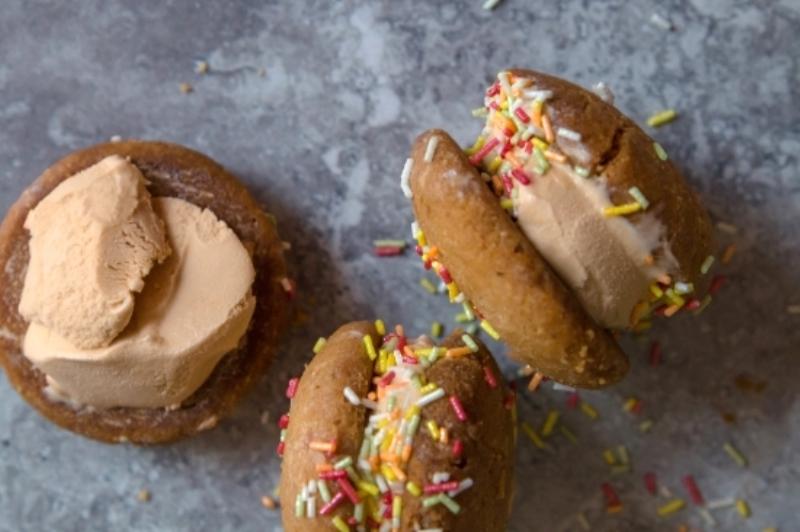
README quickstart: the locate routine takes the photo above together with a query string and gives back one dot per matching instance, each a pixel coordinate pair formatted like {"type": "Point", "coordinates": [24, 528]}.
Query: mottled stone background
{"type": "Point", "coordinates": [314, 105]}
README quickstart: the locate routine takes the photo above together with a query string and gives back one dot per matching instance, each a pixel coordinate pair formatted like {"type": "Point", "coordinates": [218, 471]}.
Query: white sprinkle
{"type": "Point", "coordinates": [666, 492]}
{"type": "Point", "coordinates": [311, 508]}
{"type": "Point", "coordinates": [382, 486]}
{"type": "Point", "coordinates": [405, 176]}
{"type": "Point", "coordinates": [459, 298]}
{"type": "Point", "coordinates": [684, 288]}
{"type": "Point", "coordinates": [793, 309]}
{"type": "Point", "coordinates": [415, 229]}
{"type": "Point", "coordinates": [440, 476]}
{"type": "Point", "coordinates": [351, 396]}
{"type": "Point", "coordinates": [535, 94]}
{"type": "Point", "coordinates": [430, 397]}
{"type": "Point", "coordinates": [707, 517]}
{"type": "Point", "coordinates": [720, 503]}
{"type": "Point", "coordinates": [661, 22]}
{"type": "Point", "coordinates": [604, 92]}
{"type": "Point", "coordinates": [430, 150]}
{"type": "Point", "coordinates": [304, 493]}
{"type": "Point", "coordinates": [557, 386]}
{"type": "Point", "coordinates": [727, 228]}
{"type": "Point", "coordinates": [312, 486]}
{"type": "Point", "coordinates": [488, 5]}
{"type": "Point", "coordinates": [707, 264]}
{"type": "Point", "coordinates": [463, 486]}
{"type": "Point", "coordinates": [569, 134]}
{"type": "Point", "coordinates": [503, 77]}
{"type": "Point", "coordinates": [368, 403]}
{"type": "Point", "coordinates": [115, 138]}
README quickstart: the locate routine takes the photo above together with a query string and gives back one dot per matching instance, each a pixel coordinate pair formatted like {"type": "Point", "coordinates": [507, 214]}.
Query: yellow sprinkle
{"type": "Point", "coordinates": [319, 345]}
{"type": "Point", "coordinates": [427, 285]}
{"type": "Point", "coordinates": [531, 434]}
{"type": "Point", "coordinates": [436, 329]}
{"type": "Point", "coordinates": [645, 425]}
{"type": "Point", "coordinates": [368, 487]}
{"type": "Point", "coordinates": [662, 117]}
{"type": "Point", "coordinates": [380, 327]}
{"type": "Point", "coordinates": [671, 507]}
{"type": "Point", "coordinates": [656, 290]}
{"type": "Point", "coordinates": [550, 423]}
{"type": "Point", "coordinates": [621, 210]}
{"type": "Point", "coordinates": [340, 525]}
{"type": "Point", "coordinates": [413, 489]}
{"type": "Point", "coordinates": [370, 347]}
{"type": "Point", "coordinates": [486, 326]}
{"type": "Point", "coordinates": [479, 142]}
{"type": "Point", "coordinates": [507, 204]}
{"type": "Point", "coordinates": [589, 410]}
{"type": "Point", "coordinates": [493, 166]}
{"type": "Point", "coordinates": [433, 428]}
{"type": "Point", "coordinates": [608, 456]}
{"type": "Point", "coordinates": [743, 508]}
{"type": "Point", "coordinates": [568, 433]}
{"type": "Point", "coordinates": [728, 254]}
{"type": "Point", "coordinates": [629, 404]}
{"type": "Point", "coordinates": [622, 452]}
{"type": "Point", "coordinates": [452, 291]}
{"type": "Point", "coordinates": [427, 388]}
{"type": "Point", "coordinates": [388, 473]}
{"type": "Point", "coordinates": [735, 455]}
{"type": "Point", "coordinates": [660, 151]}
{"type": "Point", "coordinates": [539, 143]}
{"type": "Point", "coordinates": [413, 411]}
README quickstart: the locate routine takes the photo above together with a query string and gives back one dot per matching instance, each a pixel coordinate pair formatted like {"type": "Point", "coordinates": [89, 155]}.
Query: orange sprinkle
{"type": "Point", "coordinates": [268, 502]}
{"type": "Point", "coordinates": [322, 446]}
{"type": "Point", "coordinates": [398, 472]}
{"type": "Point", "coordinates": [639, 311]}
{"type": "Point", "coordinates": [406, 453]}
{"type": "Point", "coordinates": [727, 255]}
{"type": "Point", "coordinates": [433, 252]}
{"type": "Point", "coordinates": [497, 184]}
{"type": "Point", "coordinates": [548, 129]}
{"type": "Point", "coordinates": [457, 352]}
{"type": "Point", "coordinates": [399, 328]}
{"type": "Point", "coordinates": [409, 352]}
{"type": "Point", "coordinates": [664, 279]}
{"type": "Point", "coordinates": [371, 396]}
{"type": "Point", "coordinates": [443, 436]}
{"type": "Point", "coordinates": [554, 156]}
{"type": "Point", "coordinates": [535, 381]}
{"type": "Point", "coordinates": [324, 467]}
{"type": "Point", "coordinates": [511, 157]}
{"type": "Point", "coordinates": [374, 462]}
{"type": "Point", "coordinates": [538, 105]}
{"type": "Point", "coordinates": [671, 310]}
{"type": "Point", "coordinates": [649, 260]}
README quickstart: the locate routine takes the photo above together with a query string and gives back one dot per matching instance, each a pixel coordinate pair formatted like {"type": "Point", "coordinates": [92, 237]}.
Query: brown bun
{"type": "Point", "coordinates": [320, 412]}
{"type": "Point", "coordinates": [625, 155]}
{"type": "Point", "coordinates": [499, 270]}
{"type": "Point", "coordinates": [174, 171]}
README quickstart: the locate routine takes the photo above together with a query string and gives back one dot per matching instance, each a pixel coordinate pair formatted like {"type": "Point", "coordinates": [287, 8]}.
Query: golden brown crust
{"type": "Point", "coordinates": [625, 155]}
{"type": "Point", "coordinates": [319, 411]}
{"type": "Point", "coordinates": [175, 171]}
{"type": "Point", "coordinates": [501, 272]}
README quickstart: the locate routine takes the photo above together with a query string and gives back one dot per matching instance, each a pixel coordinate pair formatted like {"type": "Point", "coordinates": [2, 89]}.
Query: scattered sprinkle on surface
{"type": "Point", "coordinates": [662, 118]}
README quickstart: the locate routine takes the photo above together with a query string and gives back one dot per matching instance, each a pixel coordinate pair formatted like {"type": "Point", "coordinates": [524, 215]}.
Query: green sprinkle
{"type": "Point", "coordinates": [468, 311]}
{"type": "Point", "coordinates": [645, 425]}
{"type": "Point", "coordinates": [662, 154]}
{"type": "Point", "coordinates": [343, 463]}
{"type": "Point", "coordinates": [319, 345]}
{"type": "Point", "coordinates": [541, 161]}
{"type": "Point", "coordinates": [358, 512]}
{"type": "Point", "coordinates": [462, 318]}
{"type": "Point", "coordinates": [662, 117]}
{"type": "Point", "coordinates": [451, 505]}
{"type": "Point", "coordinates": [324, 492]}
{"type": "Point", "coordinates": [583, 521]}
{"type": "Point", "coordinates": [436, 329]}
{"type": "Point", "coordinates": [389, 243]}
{"type": "Point", "coordinates": [436, 352]}
{"type": "Point", "coordinates": [707, 264]}
{"type": "Point", "coordinates": [429, 502]}
{"type": "Point", "coordinates": [299, 506]}
{"type": "Point", "coordinates": [480, 112]}
{"type": "Point", "coordinates": [488, 5]}
{"type": "Point", "coordinates": [639, 197]}
{"type": "Point", "coordinates": [472, 328]}
{"type": "Point", "coordinates": [469, 342]}
{"type": "Point", "coordinates": [735, 455]}
{"type": "Point", "coordinates": [427, 285]}
{"type": "Point", "coordinates": [705, 303]}
{"type": "Point", "coordinates": [671, 507]}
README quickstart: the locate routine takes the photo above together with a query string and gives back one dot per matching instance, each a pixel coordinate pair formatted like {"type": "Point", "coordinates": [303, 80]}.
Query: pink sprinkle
{"type": "Point", "coordinates": [283, 422]}
{"type": "Point", "coordinates": [419, 250]}
{"type": "Point", "coordinates": [410, 360]}
{"type": "Point", "coordinates": [650, 482]}
{"type": "Point", "coordinates": [458, 408]}
{"type": "Point", "coordinates": [573, 400]}
{"type": "Point", "coordinates": [281, 448]}
{"type": "Point", "coordinates": [520, 175]}
{"type": "Point", "coordinates": [488, 376]}
{"type": "Point", "coordinates": [332, 504]}
{"type": "Point", "coordinates": [693, 489]}
{"type": "Point", "coordinates": [483, 152]}
{"type": "Point", "coordinates": [387, 379]}
{"type": "Point", "coordinates": [388, 251]}
{"type": "Point", "coordinates": [352, 521]}
{"type": "Point", "coordinates": [494, 106]}
{"type": "Point", "coordinates": [336, 474]}
{"type": "Point", "coordinates": [655, 354]}
{"type": "Point", "coordinates": [291, 388]}
{"type": "Point", "coordinates": [522, 115]}
{"type": "Point", "coordinates": [458, 448]}
{"type": "Point", "coordinates": [348, 490]}
{"type": "Point", "coordinates": [509, 400]}
{"type": "Point", "coordinates": [612, 499]}
{"type": "Point", "coordinates": [507, 184]}
{"type": "Point", "coordinates": [440, 488]}
{"type": "Point", "coordinates": [288, 287]}
{"type": "Point", "coordinates": [716, 283]}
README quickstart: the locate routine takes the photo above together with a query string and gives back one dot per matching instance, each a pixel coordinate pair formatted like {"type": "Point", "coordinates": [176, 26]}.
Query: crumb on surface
{"type": "Point", "coordinates": [201, 67]}
{"type": "Point", "coordinates": [185, 88]}
{"type": "Point", "coordinates": [268, 502]}
{"type": "Point", "coordinates": [143, 495]}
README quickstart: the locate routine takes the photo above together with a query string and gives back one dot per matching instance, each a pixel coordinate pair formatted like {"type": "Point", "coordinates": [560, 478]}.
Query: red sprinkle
{"type": "Point", "coordinates": [612, 499]}
{"type": "Point", "coordinates": [520, 175]}
{"type": "Point", "coordinates": [494, 90]}
{"type": "Point", "coordinates": [494, 106]}
{"type": "Point", "coordinates": [694, 490]}
{"type": "Point", "coordinates": [716, 283]}
{"type": "Point", "coordinates": [458, 448]}
{"type": "Point", "coordinates": [660, 310]}
{"type": "Point", "coordinates": [427, 265]}
{"type": "Point", "coordinates": [509, 400]}
{"type": "Point", "coordinates": [508, 132]}
{"type": "Point", "coordinates": [336, 474]}
{"type": "Point", "coordinates": [692, 304]}
{"type": "Point", "coordinates": [332, 504]}
{"type": "Point", "coordinates": [440, 488]}
{"type": "Point", "coordinates": [281, 448]}
{"type": "Point", "coordinates": [484, 151]}
{"type": "Point", "coordinates": [507, 183]}
{"type": "Point", "coordinates": [283, 422]}
{"type": "Point", "coordinates": [458, 408]}
{"type": "Point", "coordinates": [388, 251]}
{"type": "Point", "coordinates": [655, 354]}
{"type": "Point", "coordinates": [348, 489]}
{"type": "Point", "coordinates": [352, 521]}
{"type": "Point", "coordinates": [291, 388]}
{"type": "Point", "coordinates": [488, 376]}
{"type": "Point", "coordinates": [419, 250]}
{"type": "Point", "coordinates": [650, 482]}
{"type": "Point", "coordinates": [522, 115]}
{"type": "Point", "coordinates": [387, 379]}
{"type": "Point", "coordinates": [506, 149]}
{"type": "Point", "coordinates": [444, 275]}
{"type": "Point", "coordinates": [573, 400]}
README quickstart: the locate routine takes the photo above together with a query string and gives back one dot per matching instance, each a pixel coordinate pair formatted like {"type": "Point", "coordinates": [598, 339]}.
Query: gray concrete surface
{"type": "Point", "coordinates": [320, 135]}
